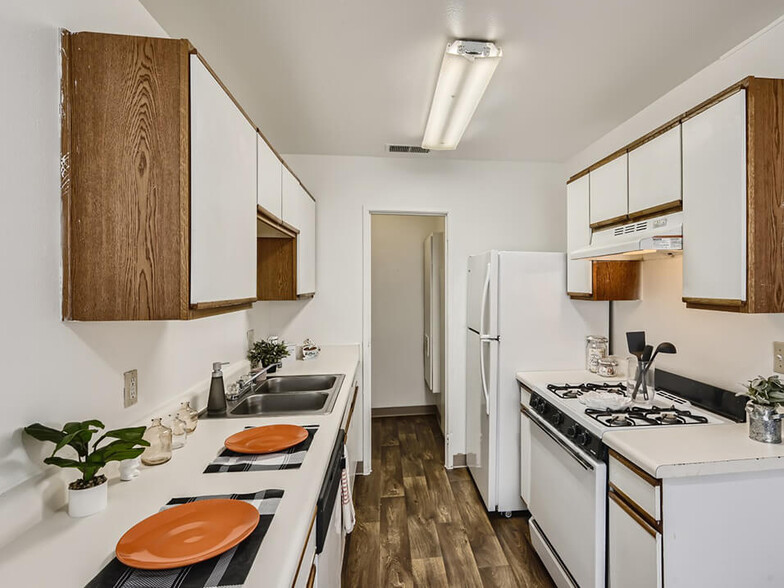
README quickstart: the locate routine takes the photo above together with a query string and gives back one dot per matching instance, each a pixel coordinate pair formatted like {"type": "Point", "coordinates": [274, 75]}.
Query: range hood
{"type": "Point", "coordinates": [662, 235]}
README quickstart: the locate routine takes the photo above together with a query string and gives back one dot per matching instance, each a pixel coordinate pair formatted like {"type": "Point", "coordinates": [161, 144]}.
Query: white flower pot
{"type": "Point", "coordinates": [83, 503]}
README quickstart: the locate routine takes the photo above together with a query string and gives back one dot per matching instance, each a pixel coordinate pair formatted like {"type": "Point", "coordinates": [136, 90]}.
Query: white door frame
{"type": "Point", "coordinates": [367, 318]}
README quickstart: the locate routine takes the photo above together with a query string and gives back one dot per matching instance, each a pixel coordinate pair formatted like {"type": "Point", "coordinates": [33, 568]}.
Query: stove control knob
{"type": "Point", "coordinates": [557, 418]}
{"type": "Point", "coordinates": [571, 431]}
{"type": "Point", "coordinates": [544, 408]}
{"type": "Point", "coordinates": [583, 438]}
{"type": "Point", "coordinates": [536, 403]}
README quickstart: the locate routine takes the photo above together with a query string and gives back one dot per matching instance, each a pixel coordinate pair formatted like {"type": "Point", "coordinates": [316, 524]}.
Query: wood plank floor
{"type": "Point", "coordinates": [419, 524]}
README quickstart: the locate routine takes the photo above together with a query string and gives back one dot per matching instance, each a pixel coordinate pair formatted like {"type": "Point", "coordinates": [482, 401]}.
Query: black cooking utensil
{"type": "Point", "coordinates": [636, 342]}
{"type": "Point", "coordinates": [665, 347]}
{"type": "Point", "coordinates": [646, 353]}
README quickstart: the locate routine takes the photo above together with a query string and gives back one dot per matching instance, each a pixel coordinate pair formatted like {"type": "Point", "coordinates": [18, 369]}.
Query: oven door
{"type": "Point", "coordinates": [568, 490]}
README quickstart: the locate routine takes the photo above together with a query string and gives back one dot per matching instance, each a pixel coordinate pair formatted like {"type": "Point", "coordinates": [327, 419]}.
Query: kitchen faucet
{"type": "Point", "coordinates": [216, 404]}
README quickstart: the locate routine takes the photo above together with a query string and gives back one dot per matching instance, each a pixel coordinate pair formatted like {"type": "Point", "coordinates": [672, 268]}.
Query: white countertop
{"type": "Point", "coordinates": [62, 551]}
{"type": "Point", "coordinates": [701, 450]}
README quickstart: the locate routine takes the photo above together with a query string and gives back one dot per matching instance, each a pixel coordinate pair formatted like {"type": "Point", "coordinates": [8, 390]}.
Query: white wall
{"type": "Point", "coordinates": [722, 348]}
{"type": "Point", "coordinates": [54, 371]}
{"type": "Point", "coordinates": [398, 313]}
{"type": "Point", "coordinates": [502, 205]}
{"type": "Point", "coordinates": [718, 347]}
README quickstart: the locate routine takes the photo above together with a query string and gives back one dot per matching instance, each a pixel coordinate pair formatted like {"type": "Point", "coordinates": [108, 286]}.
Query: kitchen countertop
{"type": "Point", "coordinates": [701, 450]}
{"type": "Point", "coordinates": [61, 551]}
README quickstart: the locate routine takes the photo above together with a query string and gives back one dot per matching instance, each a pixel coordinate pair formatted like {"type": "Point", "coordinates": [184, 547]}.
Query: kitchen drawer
{"type": "Point", "coordinates": [636, 486]}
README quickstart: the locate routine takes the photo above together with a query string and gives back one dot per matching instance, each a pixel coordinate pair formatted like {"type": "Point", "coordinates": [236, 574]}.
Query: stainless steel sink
{"type": "Point", "coordinates": [280, 395]}
{"type": "Point", "coordinates": [276, 385]}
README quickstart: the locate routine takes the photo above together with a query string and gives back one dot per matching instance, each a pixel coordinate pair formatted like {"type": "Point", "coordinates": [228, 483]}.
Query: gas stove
{"type": "Point", "coordinates": [554, 397]}
{"type": "Point", "coordinates": [576, 390]}
{"type": "Point", "coordinates": [640, 416]}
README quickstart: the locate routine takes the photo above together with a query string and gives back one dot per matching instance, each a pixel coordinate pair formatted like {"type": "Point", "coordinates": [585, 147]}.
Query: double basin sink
{"type": "Point", "coordinates": [280, 395]}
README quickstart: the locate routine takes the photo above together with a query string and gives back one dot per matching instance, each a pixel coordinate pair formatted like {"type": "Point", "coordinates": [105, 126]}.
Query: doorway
{"type": "Point", "coordinates": [405, 330]}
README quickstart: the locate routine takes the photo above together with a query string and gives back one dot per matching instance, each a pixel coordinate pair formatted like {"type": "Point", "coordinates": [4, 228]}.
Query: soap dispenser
{"type": "Point", "coordinates": [216, 405]}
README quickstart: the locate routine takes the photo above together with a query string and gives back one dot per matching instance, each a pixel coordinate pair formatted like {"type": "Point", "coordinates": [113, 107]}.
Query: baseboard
{"type": "Point", "coordinates": [398, 411]}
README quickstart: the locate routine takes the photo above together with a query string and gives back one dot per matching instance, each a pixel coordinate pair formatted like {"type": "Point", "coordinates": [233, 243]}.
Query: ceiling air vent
{"type": "Point", "coordinates": [407, 149]}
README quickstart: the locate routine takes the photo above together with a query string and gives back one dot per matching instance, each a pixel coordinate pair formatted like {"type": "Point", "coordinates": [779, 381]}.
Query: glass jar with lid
{"type": "Point", "coordinates": [160, 439]}
{"type": "Point", "coordinates": [608, 367]}
{"type": "Point", "coordinates": [596, 347]}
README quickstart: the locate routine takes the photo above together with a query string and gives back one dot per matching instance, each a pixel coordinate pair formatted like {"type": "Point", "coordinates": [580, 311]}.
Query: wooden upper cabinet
{"type": "Point", "coordinates": [655, 175]}
{"type": "Point", "coordinates": [270, 177]}
{"type": "Point", "coordinates": [127, 185]}
{"type": "Point", "coordinates": [223, 195]}
{"type": "Point", "coordinates": [733, 200]}
{"type": "Point", "coordinates": [593, 280]}
{"type": "Point", "coordinates": [609, 192]}
{"type": "Point", "coordinates": [578, 235]}
{"type": "Point", "coordinates": [299, 211]}
{"type": "Point", "coordinates": [714, 204]}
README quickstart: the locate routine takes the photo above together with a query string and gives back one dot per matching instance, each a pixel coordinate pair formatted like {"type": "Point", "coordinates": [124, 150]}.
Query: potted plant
{"type": "Point", "coordinates": [765, 396]}
{"type": "Point", "coordinates": [267, 353]}
{"type": "Point", "coordinates": [88, 494]}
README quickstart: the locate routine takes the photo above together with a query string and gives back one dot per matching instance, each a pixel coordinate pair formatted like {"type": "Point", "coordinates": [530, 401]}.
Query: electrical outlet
{"type": "Point", "coordinates": [778, 357]}
{"type": "Point", "coordinates": [130, 388]}
{"type": "Point", "coordinates": [251, 336]}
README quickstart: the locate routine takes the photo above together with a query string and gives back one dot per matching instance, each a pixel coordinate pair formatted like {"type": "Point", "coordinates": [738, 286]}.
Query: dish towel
{"type": "Point", "coordinates": [222, 571]}
{"type": "Point", "coordinates": [349, 516]}
{"type": "Point", "coordinates": [290, 459]}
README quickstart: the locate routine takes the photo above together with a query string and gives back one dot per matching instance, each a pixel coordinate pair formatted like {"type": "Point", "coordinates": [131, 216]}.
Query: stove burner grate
{"type": "Point", "coordinates": [641, 416]}
{"type": "Point", "coordinates": [575, 390]}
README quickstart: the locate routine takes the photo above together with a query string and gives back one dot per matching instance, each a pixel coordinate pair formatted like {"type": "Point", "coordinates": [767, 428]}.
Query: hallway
{"type": "Point", "coordinates": [419, 524]}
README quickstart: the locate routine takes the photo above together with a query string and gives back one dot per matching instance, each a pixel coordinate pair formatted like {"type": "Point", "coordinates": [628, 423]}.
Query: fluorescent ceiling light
{"type": "Point", "coordinates": [465, 72]}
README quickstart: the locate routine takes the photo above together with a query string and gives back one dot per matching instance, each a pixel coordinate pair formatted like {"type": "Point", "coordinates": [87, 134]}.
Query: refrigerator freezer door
{"type": "Point", "coordinates": [482, 312]}
{"type": "Point", "coordinates": [480, 415]}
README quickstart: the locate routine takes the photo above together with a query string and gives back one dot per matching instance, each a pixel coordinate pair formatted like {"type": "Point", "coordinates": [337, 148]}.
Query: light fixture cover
{"type": "Point", "coordinates": [465, 73]}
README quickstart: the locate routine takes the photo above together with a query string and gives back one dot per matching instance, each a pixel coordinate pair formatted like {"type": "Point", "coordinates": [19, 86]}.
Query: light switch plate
{"type": "Point", "coordinates": [130, 388]}
{"type": "Point", "coordinates": [778, 357]}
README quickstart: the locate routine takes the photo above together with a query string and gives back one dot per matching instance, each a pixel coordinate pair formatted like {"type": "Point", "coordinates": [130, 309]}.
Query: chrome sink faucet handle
{"type": "Point", "coordinates": [245, 385]}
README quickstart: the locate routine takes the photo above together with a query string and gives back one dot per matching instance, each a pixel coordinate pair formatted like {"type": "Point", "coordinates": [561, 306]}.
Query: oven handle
{"type": "Point", "coordinates": [586, 465]}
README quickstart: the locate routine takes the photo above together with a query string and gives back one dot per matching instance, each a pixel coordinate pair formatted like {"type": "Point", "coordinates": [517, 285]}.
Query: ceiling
{"type": "Point", "coordinates": [346, 77]}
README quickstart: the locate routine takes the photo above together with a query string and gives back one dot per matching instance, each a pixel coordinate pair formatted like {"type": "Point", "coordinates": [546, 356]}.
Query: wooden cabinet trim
{"type": "Point", "coordinates": [616, 220]}
{"type": "Point", "coordinates": [720, 302]}
{"type": "Point", "coordinates": [197, 313]}
{"type": "Point", "coordinates": [312, 576]}
{"type": "Point", "coordinates": [654, 211]}
{"type": "Point", "coordinates": [580, 295]}
{"type": "Point", "coordinates": [635, 468]}
{"type": "Point", "coordinates": [273, 221]}
{"type": "Point", "coordinates": [304, 547]}
{"type": "Point", "coordinates": [65, 170]}
{"type": "Point", "coordinates": [614, 495]}
{"type": "Point", "coordinates": [351, 409]}
{"type": "Point", "coordinates": [222, 303]}
{"type": "Point", "coordinates": [744, 83]}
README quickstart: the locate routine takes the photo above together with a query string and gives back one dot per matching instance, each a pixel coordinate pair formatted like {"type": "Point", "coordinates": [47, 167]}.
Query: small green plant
{"type": "Point", "coordinates": [267, 353]}
{"type": "Point", "coordinates": [765, 391]}
{"type": "Point", "coordinates": [127, 444]}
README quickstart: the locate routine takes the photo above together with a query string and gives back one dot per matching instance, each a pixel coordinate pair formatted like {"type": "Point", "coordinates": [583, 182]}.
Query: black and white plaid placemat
{"type": "Point", "coordinates": [290, 459]}
{"type": "Point", "coordinates": [223, 571]}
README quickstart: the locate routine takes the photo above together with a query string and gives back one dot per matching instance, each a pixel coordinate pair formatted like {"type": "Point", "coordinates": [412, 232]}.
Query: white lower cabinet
{"type": "Point", "coordinates": [354, 435]}
{"type": "Point", "coordinates": [306, 574]}
{"type": "Point", "coordinates": [634, 552]}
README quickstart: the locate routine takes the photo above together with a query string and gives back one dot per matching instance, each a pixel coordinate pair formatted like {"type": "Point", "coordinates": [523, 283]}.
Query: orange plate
{"type": "Point", "coordinates": [267, 439]}
{"type": "Point", "coordinates": [187, 534]}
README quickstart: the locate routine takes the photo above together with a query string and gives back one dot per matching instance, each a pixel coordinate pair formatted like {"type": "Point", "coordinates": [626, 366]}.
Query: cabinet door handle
{"type": "Point", "coordinates": [631, 512]}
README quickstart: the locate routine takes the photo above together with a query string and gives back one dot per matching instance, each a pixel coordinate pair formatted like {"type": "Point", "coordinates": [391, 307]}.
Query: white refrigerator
{"type": "Point", "coordinates": [519, 319]}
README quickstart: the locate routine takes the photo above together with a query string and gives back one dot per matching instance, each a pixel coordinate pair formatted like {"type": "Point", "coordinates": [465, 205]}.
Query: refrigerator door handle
{"type": "Point", "coordinates": [483, 339]}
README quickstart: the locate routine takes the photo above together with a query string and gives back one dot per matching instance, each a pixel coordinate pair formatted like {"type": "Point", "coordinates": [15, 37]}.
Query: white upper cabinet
{"type": "Point", "coordinates": [655, 173]}
{"type": "Point", "coordinates": [609, 191]}
{"type": "Point", "coordinates": [299, 210]}
{"type": "Point", "coordinates": [579, 278]}
{"type": "Point", "coordinates": [714, 202]}
{"type": "Point", "coordinates": [223, 194]}
{"type": "Point", "coordinates": [269, 178]}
